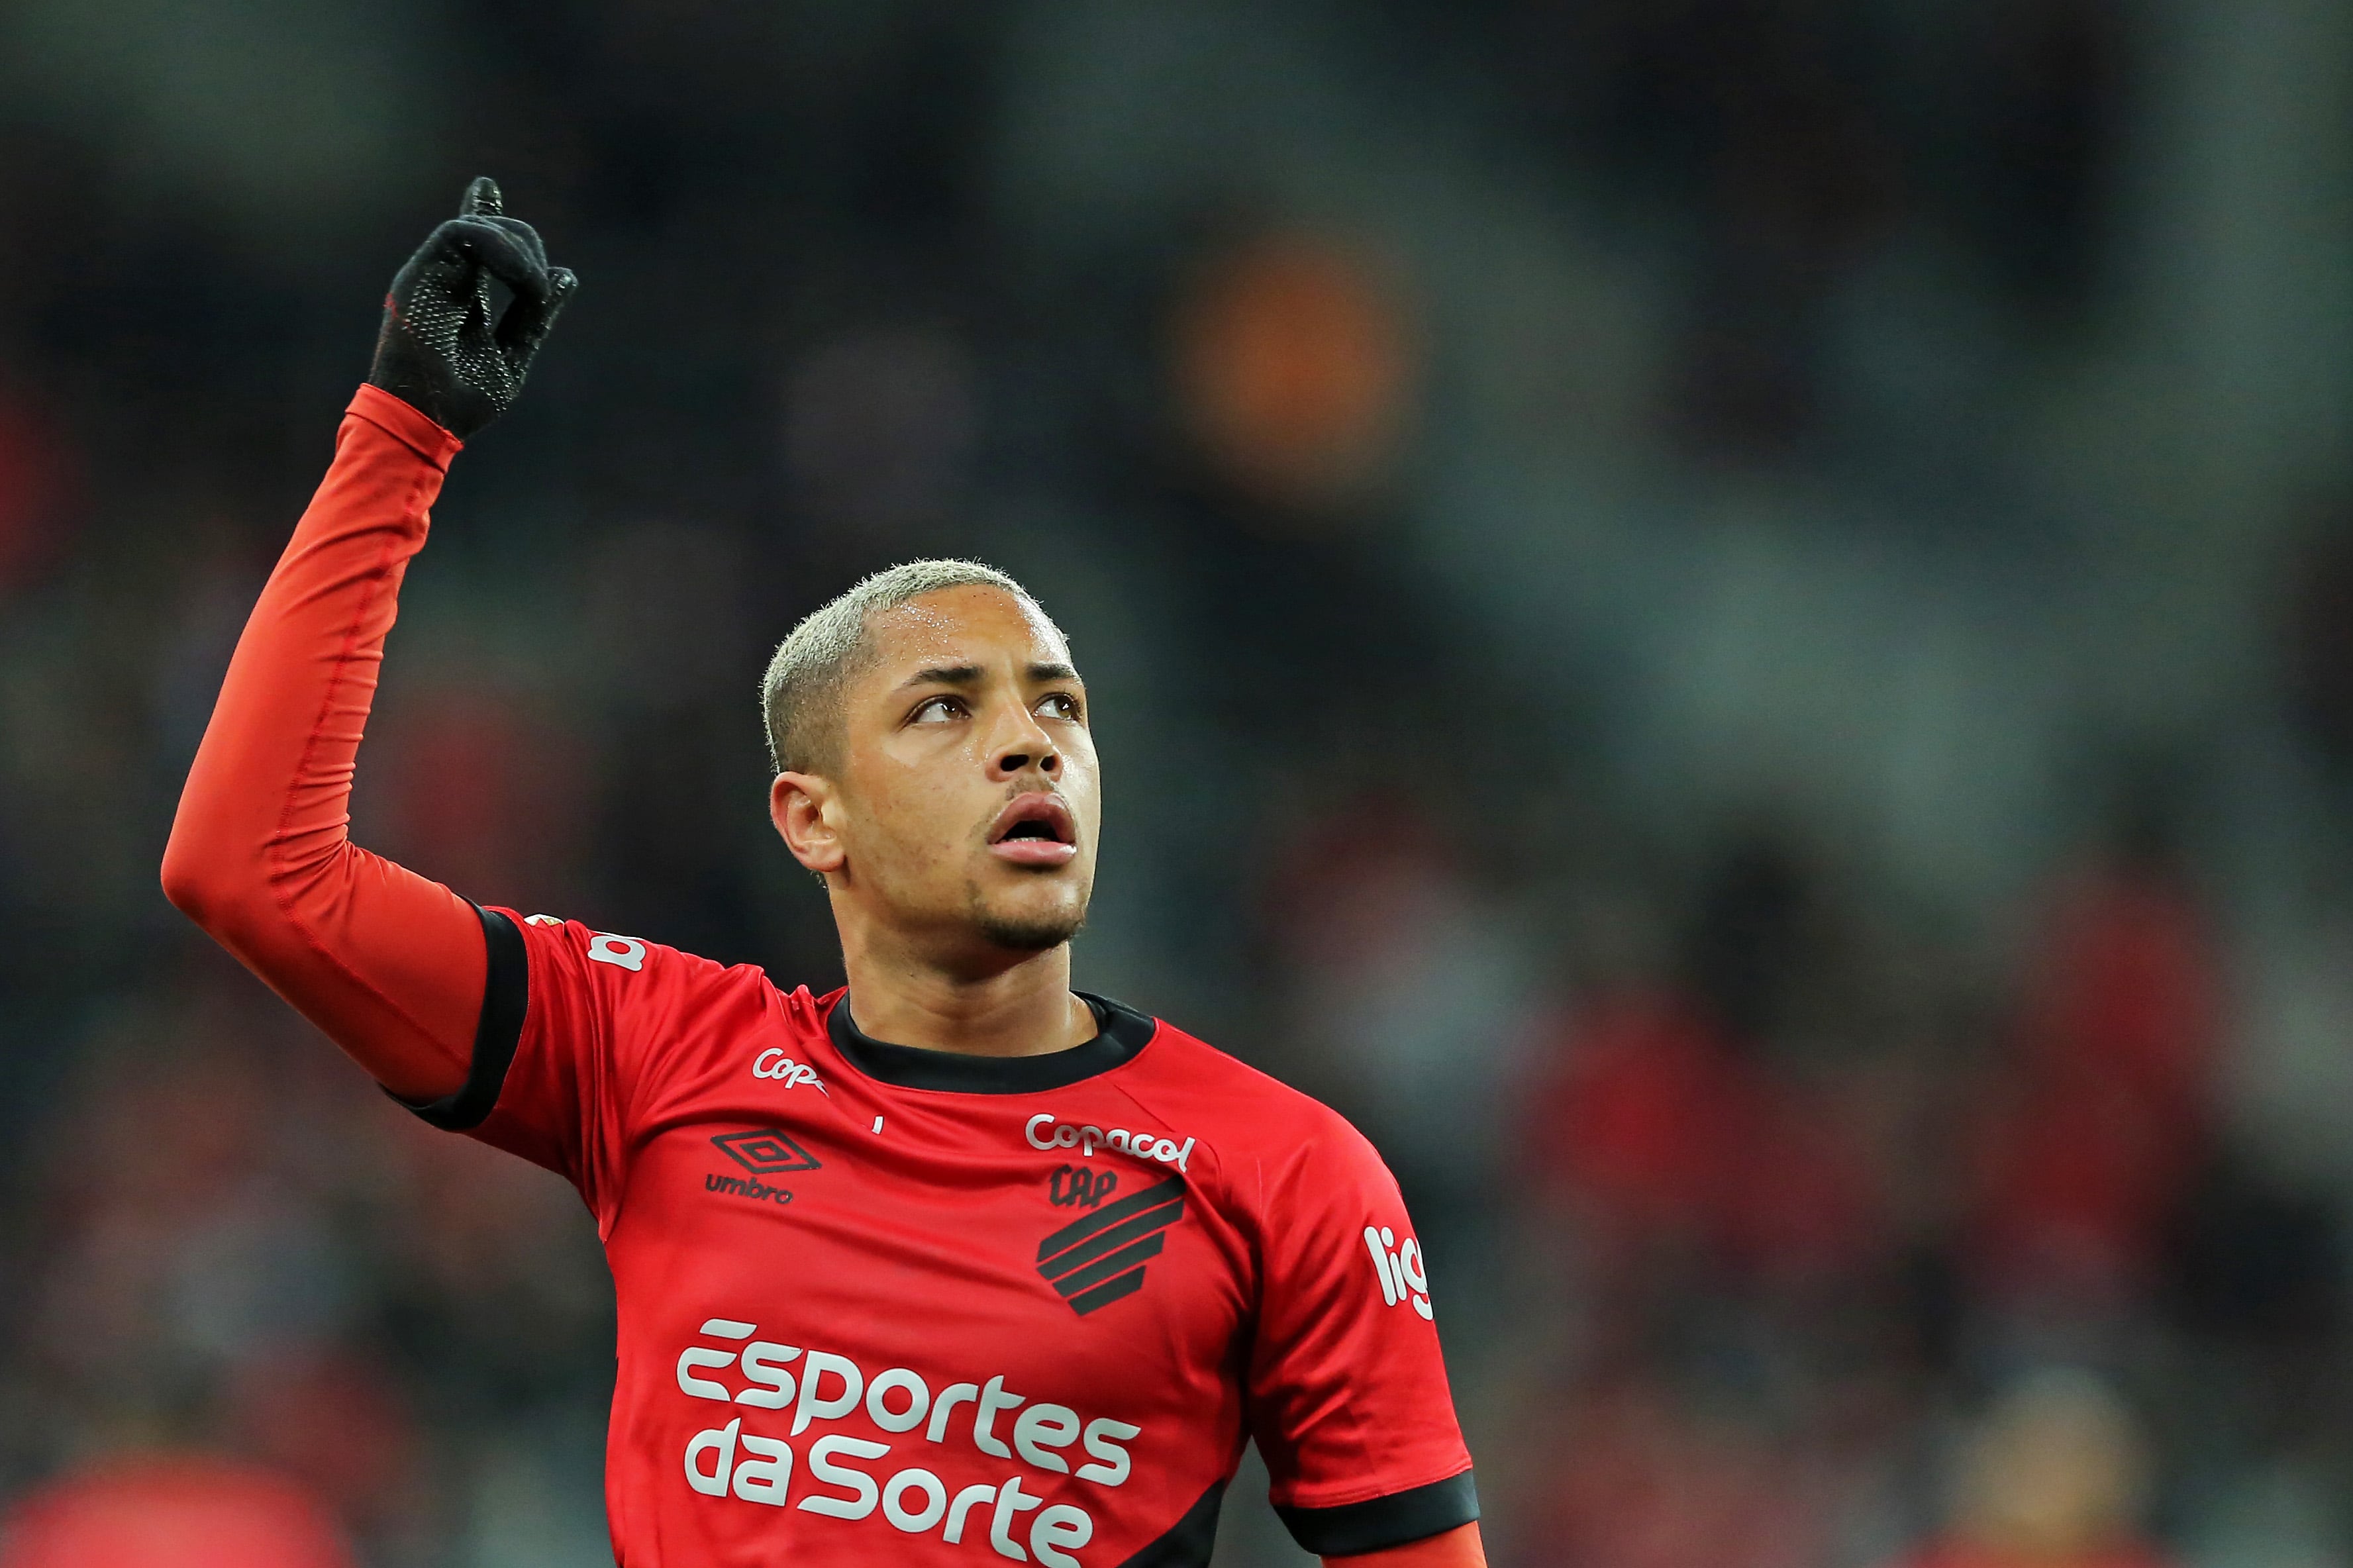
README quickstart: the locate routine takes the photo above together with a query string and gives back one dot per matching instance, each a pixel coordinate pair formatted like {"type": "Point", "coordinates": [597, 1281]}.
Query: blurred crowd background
{"type": "Point", "coordinates": [1729, 621]}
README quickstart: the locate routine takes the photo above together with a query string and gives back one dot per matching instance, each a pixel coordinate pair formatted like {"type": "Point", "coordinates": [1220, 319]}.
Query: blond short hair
{"type": "Point", "coordinates": [801, 694]}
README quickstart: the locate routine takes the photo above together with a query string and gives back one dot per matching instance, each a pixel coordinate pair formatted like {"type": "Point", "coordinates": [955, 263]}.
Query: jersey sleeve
{"type": "Point", "coordinates": [388, 962]}
{"type": "Point", "coordinates": [1349, 1399]}
{"type": "Point", "coordinates": [571, 1021]}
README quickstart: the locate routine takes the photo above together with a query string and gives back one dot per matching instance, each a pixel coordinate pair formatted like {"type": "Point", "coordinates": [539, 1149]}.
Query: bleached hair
{"type": "Point", "coordinates": [801, 695]}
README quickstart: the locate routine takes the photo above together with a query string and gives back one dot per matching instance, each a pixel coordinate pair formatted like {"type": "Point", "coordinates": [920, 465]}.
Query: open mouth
{"type": "Point", "coordinates": [1034, 829]}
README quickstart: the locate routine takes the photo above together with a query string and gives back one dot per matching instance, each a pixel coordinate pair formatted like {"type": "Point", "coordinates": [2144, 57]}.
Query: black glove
{"type": "Point", "coordinates": [439, 350]}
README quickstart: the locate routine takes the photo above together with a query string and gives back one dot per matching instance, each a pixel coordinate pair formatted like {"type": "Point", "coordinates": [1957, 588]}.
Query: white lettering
{"type": "Point", "coordinates": [919, 1400]}
{"type": "Point", "coordinates": [964, 1501]}
{"type": "Point", "coordinates": [1389, 1291]}
{"type": "Point", "coordinates": [720, 1440]}
{"type": "Point", "coordinates": [764, 1365]}
{"type": "Point", "coordinates": [774, 1064]}
{"type": "Point", "coordinates": [1010, 1500]}
{"type": "Point", "coordinates": [1060, 1526]}
{"type": "Point", "coordinates": [1104, 1437]}
{"type": "Point", "coordinates": [954, 1395]}
{"type": "Point", "coordinates": [1043, 1428]}
{"type": "Point", "coordinates": [993, 1398]}
{"type": "Point", "coordinates": [1403, 1275]}
{"type": "Point", "coordinates": [764, 1479]}
{"type": "Point", "coordinates": [813, 1404]}
{"type": "Point", "coordinates": [935, 1501]}
{"type": "Point", "coordinates": [704, 1356]}
{"type": "Point", "coordinates": [1043, 1131]}
{"type": "Point", "coordinates": [1409, 1268]}
{"type": "Point", "coordinates": [621, 951]}
{"type": "Point", "coordinates": [822, 1467]}
{"type": "Point", "coordinates": [837, 1478]}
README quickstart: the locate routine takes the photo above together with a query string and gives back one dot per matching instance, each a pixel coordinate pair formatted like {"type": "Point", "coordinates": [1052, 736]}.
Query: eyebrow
{"type": "Point", "coordinates": [968, 675]}
{"type": "Point", "coordinates": [946, 675]}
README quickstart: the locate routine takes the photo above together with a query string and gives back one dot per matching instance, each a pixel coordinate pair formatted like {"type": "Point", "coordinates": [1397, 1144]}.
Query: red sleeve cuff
{"type": "Point", "coordinates": [403, 422]}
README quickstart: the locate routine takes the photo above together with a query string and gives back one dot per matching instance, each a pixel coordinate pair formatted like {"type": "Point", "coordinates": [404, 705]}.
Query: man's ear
{"type": "Point", "coordinates": [797, 805]}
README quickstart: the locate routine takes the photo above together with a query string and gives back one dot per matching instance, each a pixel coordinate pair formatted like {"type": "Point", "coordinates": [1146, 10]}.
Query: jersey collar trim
{"type": "Point", "coordinates": [1121, 1032]}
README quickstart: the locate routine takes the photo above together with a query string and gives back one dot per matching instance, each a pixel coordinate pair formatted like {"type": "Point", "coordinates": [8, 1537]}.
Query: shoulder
{"type": "Point", "coordinates": [1254, 1120]}
{"type": "Point", "coordinates": [633, 971]}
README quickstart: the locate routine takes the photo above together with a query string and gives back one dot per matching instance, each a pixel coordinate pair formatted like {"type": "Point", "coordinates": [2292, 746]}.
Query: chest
{"type": "Point", "coordinates": [1036, 1251]}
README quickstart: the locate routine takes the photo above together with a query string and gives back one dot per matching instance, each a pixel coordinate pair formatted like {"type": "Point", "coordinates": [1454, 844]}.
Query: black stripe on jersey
{"type": "Point", "coordinates": [1119, 1262]}
{"type": "Point", "coordinates": [1378, 1524]}
{"type": "Point", "coordinates": [1121, 1032]}
{"type": "Point", "coordinates": [506, 996]}
{"type": "Point", "coordinates": [1136, 1206]}
{"type": "Point", "coordinates": [1110, 1290]}
{"type": "Point", "coordinates": [1095, 1261]}
{"type": "Point", "coordinates": [1186, 1544]}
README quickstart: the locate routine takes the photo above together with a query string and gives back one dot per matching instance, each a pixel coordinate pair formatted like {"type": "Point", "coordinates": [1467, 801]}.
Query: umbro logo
{"type": "Point", "coordinates": [765, 1152]}
{"type": "Point", "coordinates": [1095, 1261]}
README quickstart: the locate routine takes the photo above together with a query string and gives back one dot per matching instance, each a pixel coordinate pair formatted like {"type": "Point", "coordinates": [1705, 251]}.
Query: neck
{"type": "Point", "coordinates": [1021, 1008]}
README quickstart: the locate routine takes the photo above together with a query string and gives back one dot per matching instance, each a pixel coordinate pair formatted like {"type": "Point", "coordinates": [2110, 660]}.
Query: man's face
{"type": "Point", "coordinates": [966, 805]}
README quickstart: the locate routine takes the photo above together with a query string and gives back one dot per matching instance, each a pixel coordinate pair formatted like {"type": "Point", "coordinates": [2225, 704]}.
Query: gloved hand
{"type": "Point", "coordinates": [439, 350]}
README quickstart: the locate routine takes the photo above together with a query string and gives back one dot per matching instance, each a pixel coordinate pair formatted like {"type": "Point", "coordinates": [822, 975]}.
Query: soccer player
{"type": "Point", "coordinates": [952, 1266]}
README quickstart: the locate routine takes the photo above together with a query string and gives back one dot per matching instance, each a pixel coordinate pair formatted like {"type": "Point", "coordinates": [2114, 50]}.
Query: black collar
{"type": "Point", "coordinates": [1121, 1032]}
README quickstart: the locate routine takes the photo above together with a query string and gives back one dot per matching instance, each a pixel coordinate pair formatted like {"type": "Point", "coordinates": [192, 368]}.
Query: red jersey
{"type": "Point", "coordinates": [877, 1304]}
{"type": "Point", "coordinates": [887, 1304]}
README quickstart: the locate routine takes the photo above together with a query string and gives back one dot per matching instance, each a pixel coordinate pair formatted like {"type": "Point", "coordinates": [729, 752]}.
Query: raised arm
{"type": "Point", "coordinates": [389, 963]}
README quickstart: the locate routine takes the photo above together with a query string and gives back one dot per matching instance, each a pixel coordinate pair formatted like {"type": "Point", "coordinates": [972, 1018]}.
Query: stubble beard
{"type": "Point", "coordinates": [1036, 933]}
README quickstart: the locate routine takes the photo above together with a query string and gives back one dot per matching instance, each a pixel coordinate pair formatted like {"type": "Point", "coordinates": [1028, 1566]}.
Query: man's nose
{"type": "Point", "coordinates": [1025, 747]}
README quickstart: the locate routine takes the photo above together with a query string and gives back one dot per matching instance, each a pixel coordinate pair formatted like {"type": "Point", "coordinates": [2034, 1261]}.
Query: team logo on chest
{"type": "Point", "coordinates": [1094, 1261]}
{"type": "Point", "coordinates": [1076, 1187]}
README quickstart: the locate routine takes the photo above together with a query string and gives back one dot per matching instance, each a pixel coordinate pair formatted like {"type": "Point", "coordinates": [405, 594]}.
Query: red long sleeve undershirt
{"type": "Point", "coordinates": [389, 963]}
